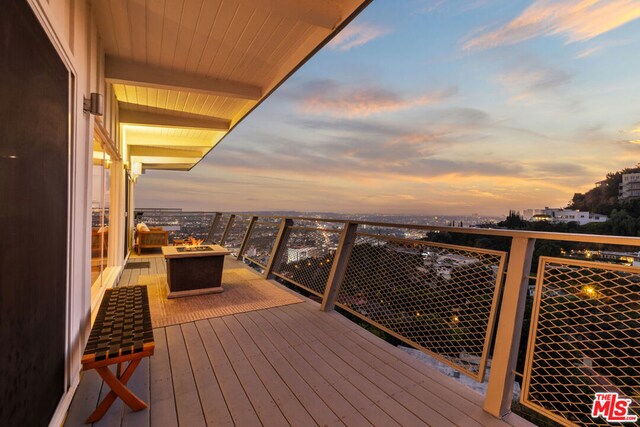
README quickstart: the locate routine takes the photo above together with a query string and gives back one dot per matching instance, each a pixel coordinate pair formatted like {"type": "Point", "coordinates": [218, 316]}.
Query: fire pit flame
{"type": "Point", "coordinates": [194, 245]}
{"type": "Point", "coordinates": [194, 242]}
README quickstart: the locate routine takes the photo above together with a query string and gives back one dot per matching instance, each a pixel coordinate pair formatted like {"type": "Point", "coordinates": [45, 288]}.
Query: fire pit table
{"type": "Point", "coordinates": [194, 270]}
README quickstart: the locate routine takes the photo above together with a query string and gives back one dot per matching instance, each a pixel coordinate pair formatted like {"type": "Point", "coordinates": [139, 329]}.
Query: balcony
{"type": "Point", "coordinates": [463, 305]}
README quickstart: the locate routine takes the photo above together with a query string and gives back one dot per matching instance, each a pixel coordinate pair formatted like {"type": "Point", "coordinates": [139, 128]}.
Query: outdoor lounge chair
{"type": "Point", "coordinates": [156, 237]}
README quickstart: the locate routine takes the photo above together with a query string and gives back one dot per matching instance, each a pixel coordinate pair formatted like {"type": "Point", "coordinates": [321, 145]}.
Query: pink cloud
{"type": "Point", "coordinates": [362, 102]}
{"type": "Point", "coordinates": [575, 20]}
{"type": "Point", "coordinates": [357, 34]}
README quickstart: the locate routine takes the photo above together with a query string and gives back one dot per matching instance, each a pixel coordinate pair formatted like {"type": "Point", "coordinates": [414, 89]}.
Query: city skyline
{"type": "Point", "coordinates": [435, 108]}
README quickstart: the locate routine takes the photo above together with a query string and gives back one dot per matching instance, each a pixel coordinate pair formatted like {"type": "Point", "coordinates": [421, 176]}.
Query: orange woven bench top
{"type": "Point", "coordinates": [122, 326]}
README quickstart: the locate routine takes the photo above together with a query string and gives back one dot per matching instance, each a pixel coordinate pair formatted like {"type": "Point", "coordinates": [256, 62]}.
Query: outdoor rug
{"type": "Point", "coordinates": [244, 291]}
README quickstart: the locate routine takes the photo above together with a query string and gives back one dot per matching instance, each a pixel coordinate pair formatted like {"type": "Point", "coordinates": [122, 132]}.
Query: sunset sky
{"type": "Point", "coordinates": [435, 107]}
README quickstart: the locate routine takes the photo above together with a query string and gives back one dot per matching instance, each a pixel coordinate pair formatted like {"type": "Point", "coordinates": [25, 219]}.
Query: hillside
{"type": "Point", "coordinates": [603, 199]}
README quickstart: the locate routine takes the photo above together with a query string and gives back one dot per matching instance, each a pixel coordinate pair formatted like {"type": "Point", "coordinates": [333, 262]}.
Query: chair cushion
{"type": "Point", "coordinates": [142, 227]}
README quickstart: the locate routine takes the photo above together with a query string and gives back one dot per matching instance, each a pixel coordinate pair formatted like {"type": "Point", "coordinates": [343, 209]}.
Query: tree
{"type": "Point", "coordinates": [514, 221]}
{"type": "Point", "coordinates": [602, 199]}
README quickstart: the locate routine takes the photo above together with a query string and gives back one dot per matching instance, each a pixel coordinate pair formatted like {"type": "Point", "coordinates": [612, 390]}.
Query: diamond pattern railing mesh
{"type": "Point", "coordinates": [215, 235]}
{"type": "Point", "coordinates": [236, 234]}
{"type": "Point", "coordinates": [180, 225]}
{"type": "Point", "coordinates": [306, 258]}
{"type": "Point", "coordinates": [260, 243]}
{"type": "Point", "coordinates": [439, 298]}
{"type": "Point", "coordinates": [584, 339]}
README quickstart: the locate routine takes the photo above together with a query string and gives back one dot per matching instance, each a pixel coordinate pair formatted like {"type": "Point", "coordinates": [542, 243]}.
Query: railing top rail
{"type": "Point", "coordinates": [324, 230]}
{"type": "Point", "coordinates": [431, 244]}
{"type": "Point", "coordinates": [541, 235]}
{"type": "Point", "coordinates": [496, 232]}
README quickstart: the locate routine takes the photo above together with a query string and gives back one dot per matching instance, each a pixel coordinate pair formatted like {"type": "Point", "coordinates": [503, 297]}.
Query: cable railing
{"type": "Point", "coordinates": [460, 295]}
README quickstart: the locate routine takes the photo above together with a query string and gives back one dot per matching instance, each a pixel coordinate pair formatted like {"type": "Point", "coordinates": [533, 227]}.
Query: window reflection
{"type": "Point", "coordinates": [100, 212]}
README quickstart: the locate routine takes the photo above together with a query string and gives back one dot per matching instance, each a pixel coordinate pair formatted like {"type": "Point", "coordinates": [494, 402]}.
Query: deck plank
{"type": "Point", "coordinates": [214, 406]}
{"type": "Point", "coordinates": [184, 385]}
{"type": "Point", "coordinates": [353, 393]}
{"type": "Point", "coordinates": [287, 401]}
{"type": "Point", "coordinates": [328, 392]}
{"type": "Point", "coordinates": [113, 417]}
{"type": "Point", "coordinates": [162, 408]}
{"type": "Point", "coordinates": [139, 385]}
{"type": "Point", "coordinates": [447, 389]}
{"type": "Point", "coordinates": [263, 403]}
{"type": "Point", "coordinates": [403, 388]}
{"type": "Point", "coordinates": [316, 407]}
{"type": "Point", "coordinates": [234, 394]}
{"type": "Point", "coordinates": [85, 400]}
{"type": "Point", "coordinates": [360, 379]}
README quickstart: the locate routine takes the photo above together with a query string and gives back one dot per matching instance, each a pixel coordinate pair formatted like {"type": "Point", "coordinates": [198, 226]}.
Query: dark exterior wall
{"type": "Point", "coordinates": [34, 159]}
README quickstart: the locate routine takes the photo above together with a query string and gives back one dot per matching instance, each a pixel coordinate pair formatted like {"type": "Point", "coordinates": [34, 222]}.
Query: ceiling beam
{"type": "Point", "coordinates": [146, 151]}
{"type": "Point", "coordinates": [167, 167]}
{"type": "Point", "coordinates": [324, 14]}
{"type": "Point", "coordinates": [127, 72]}
{"type": "Point", "coordinates": [146, 160]}
{"type": "Point", "coordinates": [170, 141]}
{"type": "Point", "coordinates": [132, 114]}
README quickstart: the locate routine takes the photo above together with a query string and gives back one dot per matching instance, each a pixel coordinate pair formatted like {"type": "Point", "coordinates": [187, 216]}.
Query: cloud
{"type": "Point", "coordinates": [336, 100]}
{"type": "Point", "coordinates": [527, 76]}
{"type": "Point", "coordinates": [574, 20]}
{"type": "Point", "coordinates": [632, 135]}
{"type": "Point", "coordinates": [588, 52]}
{"type": "Point", "coordinates": [357, 34]}
{"type": "Point", "coordinates": [455, 7]}
{"type": "Point", "coordinates": [562, 169]}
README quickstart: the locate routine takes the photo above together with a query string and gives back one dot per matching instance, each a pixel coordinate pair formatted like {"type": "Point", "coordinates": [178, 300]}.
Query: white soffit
{"type": "Point", "coordinates": [185, 72]}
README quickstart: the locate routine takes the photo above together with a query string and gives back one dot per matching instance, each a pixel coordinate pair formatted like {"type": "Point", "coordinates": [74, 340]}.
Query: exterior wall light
{"type": "Point", "coordinates": [94, 104]}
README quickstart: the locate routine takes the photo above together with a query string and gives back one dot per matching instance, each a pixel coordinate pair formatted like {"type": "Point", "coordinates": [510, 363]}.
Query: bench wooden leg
{"type": "Point", "coordinates": [118, 389]}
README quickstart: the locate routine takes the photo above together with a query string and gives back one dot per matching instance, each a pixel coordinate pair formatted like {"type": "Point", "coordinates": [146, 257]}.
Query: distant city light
{"type": "Point", "coordinates": [590, 291]}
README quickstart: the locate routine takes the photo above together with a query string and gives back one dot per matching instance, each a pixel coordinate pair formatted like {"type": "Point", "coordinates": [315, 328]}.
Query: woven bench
{"type": "Point", "coordinates": [121, 333]}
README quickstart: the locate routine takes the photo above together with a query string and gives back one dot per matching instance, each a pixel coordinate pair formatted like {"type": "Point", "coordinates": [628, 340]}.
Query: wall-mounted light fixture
{"type": "Point", "coordinates": [94, 104]}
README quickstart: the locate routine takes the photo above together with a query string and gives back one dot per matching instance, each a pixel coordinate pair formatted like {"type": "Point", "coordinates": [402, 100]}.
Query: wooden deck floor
{"type": "Point", "coordinates": [291, 365]}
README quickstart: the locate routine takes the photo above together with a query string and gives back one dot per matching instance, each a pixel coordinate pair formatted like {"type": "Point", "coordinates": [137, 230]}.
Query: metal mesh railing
{"type": "Point", "coordinates": [440, 298]}
{"type": "Point", "coordinates": [215, 233]}
{"type": "Point", "coordinates": [260, 242]}
{"type": "Point", "coordinates": [236, 234]}
{"type": "Point", "coordinates": [584, 339]}
{"type": "Point", "coordinates": [180, 225]}
{"type": "Point", "coordinates": [306, 258]}
{"type": "Point", "coordinates": [319, 224]}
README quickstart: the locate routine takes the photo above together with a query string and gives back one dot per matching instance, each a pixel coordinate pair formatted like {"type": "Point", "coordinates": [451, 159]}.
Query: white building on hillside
{"type": "Point", "coordinates": [630, 186]}
{"type": "Point", "coordinates": [298, 254]}
{"type": "Point", "coordinates": [562, 215]}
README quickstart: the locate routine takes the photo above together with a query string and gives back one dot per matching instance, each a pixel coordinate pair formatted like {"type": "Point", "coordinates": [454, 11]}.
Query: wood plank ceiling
{"type": "Point", "coordinates": [185, 72]}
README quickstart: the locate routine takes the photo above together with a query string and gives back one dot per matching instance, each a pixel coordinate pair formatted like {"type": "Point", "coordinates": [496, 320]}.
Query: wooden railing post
{"type": "Point", "coordinates": [214, 225]}
{"type": "Point", "coordinates": [245, 239]}
{"type": "Point", "coordinates": [339, 266]}
{"type": "Point", "coordinates": [505, 354]}
{"type": "Point", "coordinates": [278, 246]}
{"type": "Point", "coordinates": [227, 229]}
